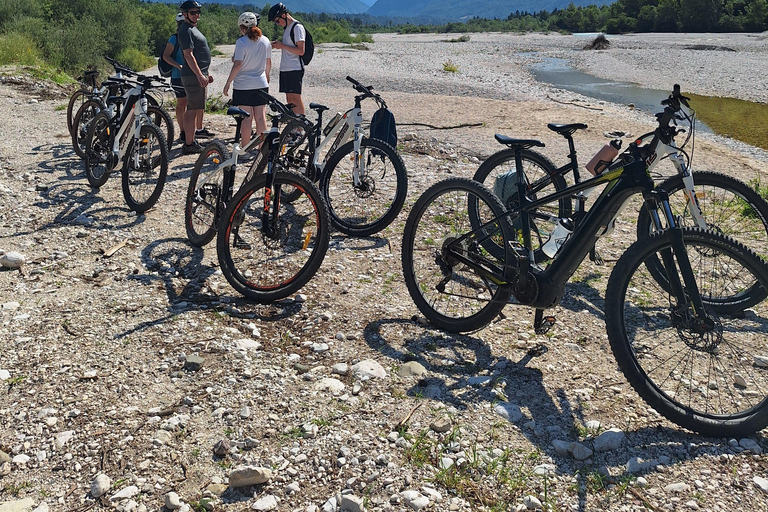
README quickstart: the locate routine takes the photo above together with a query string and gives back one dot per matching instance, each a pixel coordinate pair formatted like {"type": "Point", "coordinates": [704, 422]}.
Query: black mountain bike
{"type": "Point", "coordinates": [685, 308]}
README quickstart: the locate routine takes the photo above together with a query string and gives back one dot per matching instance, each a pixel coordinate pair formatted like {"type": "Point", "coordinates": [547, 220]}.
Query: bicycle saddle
{"type": "Point", "coordinates": [237, 112]}
{"type": "Point", "coordinates": [318, 107]}
{"type": "Point", "coordinates": [523, 143]}
{"type": "Point", "coordinates": [566, 129]}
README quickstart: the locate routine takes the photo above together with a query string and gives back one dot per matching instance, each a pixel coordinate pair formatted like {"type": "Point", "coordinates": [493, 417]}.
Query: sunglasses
{"type": "Point", "coordinates": [194, 13]}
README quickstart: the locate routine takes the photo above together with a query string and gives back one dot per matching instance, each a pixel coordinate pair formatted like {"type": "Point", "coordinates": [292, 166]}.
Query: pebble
{"type": "Point", "coordinates": [330, 384]}
{"type": "Point", "coordinates": [125, 493]}
{"type": "Point", "coordinates": [172, 501]}
{"type": "Point", "coordinates": [761, 483]}
{"type": "Point", "coordinates": [509, 412]}
{"type": "Point", "coordinates": [352, 503]}
{"type": "Point", "coordinates": [414, 499]}
{"type": "Point", "coordinates": [369, 369]}
{"type": "Point", "coordinates": [411, 369]}
{"type": "Point", "coordinates": [12, 259]}
{"type": "Point", "coordinates": [609, 440]}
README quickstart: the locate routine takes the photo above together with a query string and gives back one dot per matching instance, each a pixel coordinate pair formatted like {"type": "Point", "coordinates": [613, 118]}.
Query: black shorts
{"type": "Point", "coordinates": [249, 97]}
{"type": "Point", "coordinates": [290, 81]}
{"type": "Point", "coordinates": [178, 88]}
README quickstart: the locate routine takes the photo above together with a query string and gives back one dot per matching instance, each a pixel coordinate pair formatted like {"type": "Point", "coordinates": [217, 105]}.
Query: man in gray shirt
{"type": "Point", "coordinates": [194, 74]}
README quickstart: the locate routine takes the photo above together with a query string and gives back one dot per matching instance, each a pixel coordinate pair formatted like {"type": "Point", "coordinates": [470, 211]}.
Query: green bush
{"type": "Point", "coordinates": [18, 49]}
{"type": "Point", "coordinates": [136, 60]}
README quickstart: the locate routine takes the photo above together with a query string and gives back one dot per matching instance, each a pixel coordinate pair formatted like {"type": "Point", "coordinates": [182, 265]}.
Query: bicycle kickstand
{"type": "Point", "coordinates": [542, 324]}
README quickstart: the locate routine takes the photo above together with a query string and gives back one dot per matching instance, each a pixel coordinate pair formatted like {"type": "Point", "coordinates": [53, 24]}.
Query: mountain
{"type": "Point", "coordinates": [455, 10]}
{"type": "Point", "coordinates": [318, 6]}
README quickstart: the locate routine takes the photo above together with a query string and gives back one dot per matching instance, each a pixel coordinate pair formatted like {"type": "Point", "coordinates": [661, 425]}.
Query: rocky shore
{"type": "Point", "coordinates": [135, 379]}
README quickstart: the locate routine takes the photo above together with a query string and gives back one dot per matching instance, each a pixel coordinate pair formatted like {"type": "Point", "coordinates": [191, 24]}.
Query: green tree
{"type": "Point", "coordinates": [699, 15]}
{"type": "Point", "coordinates": [666, 16]}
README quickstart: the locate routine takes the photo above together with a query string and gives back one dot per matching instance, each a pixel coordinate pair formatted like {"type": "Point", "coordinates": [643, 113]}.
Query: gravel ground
{"type": "Point", "coordinates": [137, 379]}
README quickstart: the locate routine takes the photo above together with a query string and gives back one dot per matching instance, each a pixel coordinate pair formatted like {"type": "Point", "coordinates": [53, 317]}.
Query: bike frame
{"type": "Point", "coordinates": [350, 125]}
{"type": "Point", "coordinates": [136, 106]}
{"type": "Point", "coordinates": [622, 182]}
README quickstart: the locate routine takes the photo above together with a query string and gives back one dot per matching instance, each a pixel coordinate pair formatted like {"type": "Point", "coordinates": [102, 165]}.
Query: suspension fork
{"type": "Point", "coordinates": [687, 290]}
{"type": "Point", "coordinates": [358, 169]}
{"type": "Point", "coordinates": [271, 192]}
{"type": "Point", "coordinates": [692, 202]}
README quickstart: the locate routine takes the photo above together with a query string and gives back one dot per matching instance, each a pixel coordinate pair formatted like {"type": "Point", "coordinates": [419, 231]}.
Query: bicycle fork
{"type": "Point", "coordinates": [686, 292]}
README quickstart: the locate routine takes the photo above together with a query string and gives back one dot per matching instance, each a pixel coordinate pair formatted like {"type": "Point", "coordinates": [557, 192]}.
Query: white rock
{"type": "Point", "coordinates": [761, 483]}
{"type": "Point", "coordinates": [172, 501]}
{"type": "Point", "coordinates": [677, 487]}
{"type": "Point", "coordinates": [329, 384]}
{"type": "Point", "coordinates": [42, 507]}
{"type": "Point", "coordinates": [531, 502]}
{"type": "Point", "coordinates": [414, 499]}
{"type": "Point", "coordinates": [609, 440]}
{"type": "Point", "coordinates": [100, 485]}
{"type": "Point", "coordinates": [509, 412]}
{"type": "Point", "coordinates": [5, 375]}
{"type": "Point", "coordinates": [17, 505]}
{"type": "Point", "coordinates": [352, 503]}
{"type": "Point", "coordinates": [479, 381]}
{"type": "Point", "coordinates": [12, 260]}
{"type": "Point", "coordinates": [432, 493]}
{"type": "Point", "coordinates": [20, 459]}
{"type": "Point", "coordinates": [125, 493]}
{"type": "Point", "coordinates": [369, 369]}
{"type": "Point", "coordinates": [637, 465]}
{"type": "Point", "coordinates": [268, 502]}
{"type": "Point", "coordinates": [247, 344]}
{"type": "Point", "coordinates": [411, 369]}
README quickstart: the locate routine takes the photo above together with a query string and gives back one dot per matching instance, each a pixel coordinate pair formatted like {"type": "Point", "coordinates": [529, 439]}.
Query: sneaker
{"type": "Point", "coordinates": [182, 138]}
{"type": "Point", "coordinates": [192, 149]}
{"type": "Point", "coordinates": [204, 133]}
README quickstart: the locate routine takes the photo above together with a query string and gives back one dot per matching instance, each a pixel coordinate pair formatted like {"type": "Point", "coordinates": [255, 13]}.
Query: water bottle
{"type": "Point", "coordinates": [332, 123]}
{"type": "Point", "coordinates": [559, 235]}
{"type": "Point", "coordinates": [604, 157]}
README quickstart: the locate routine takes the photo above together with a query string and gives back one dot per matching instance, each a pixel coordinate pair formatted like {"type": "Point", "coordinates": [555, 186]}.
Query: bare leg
{"type": "Point", "coordinates": [259, 116]}
{"type": "Point", "coordinates": [190, 116]}
{"type": "Point", "coordinates": [199, 119]}
{"type": "Point", "coordinates": [245, 128]}
{"type": "Point", "coordinates": [181, 108]}
{"type": "Point", "coordinates": [294, 98]}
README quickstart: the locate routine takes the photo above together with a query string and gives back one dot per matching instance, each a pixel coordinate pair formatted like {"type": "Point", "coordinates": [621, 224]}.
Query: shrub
{"type": "Point", "coordinates": [18, 49]}
{"type": "Point", "coordinates": [136, 60]}
{"type": "Point", "coordinates": [450, 67]}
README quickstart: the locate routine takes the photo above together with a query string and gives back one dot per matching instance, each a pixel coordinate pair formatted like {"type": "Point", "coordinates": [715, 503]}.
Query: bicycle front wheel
{"type": "Point", "coordinates": [498, 172]}
{"type": "Point", "coordinates": [206, 185]}
{"type": "Point", "coordinates": [444, 256]}
{"type": "Point", "coordinates": [371, 205]}
{"type": "Point", "coordinates": [81, 123]}
{"type": "Point", "coordinates": [709, 377]}
{"type": "Point", "coordinates": [270, 262]}
{"type": "Point", "coordinates": [145, 168]}
{"type": "Point", "coordinates": [729, 206]}
{"type": "Point", "coordinates": [99, 160]}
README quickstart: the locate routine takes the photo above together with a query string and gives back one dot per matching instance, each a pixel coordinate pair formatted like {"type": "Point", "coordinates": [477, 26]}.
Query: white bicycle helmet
{"type": "Point", "coordinates": [180, 17]}
{"type": "Point", "coordinates": [248, 19]}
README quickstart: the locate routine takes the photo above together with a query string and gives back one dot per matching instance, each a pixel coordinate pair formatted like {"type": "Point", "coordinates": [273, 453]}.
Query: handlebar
{"type": "Point", "coordinates": [366, 91]}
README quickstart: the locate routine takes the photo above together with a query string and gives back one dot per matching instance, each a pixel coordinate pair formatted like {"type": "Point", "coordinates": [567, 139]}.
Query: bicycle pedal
{"type": "Point", "coordinates": [595, 257]}
{"type": "Point", "coordinates": [542, 324]}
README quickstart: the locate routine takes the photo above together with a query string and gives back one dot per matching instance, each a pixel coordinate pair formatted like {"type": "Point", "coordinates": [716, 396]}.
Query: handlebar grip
{"type": "Point", "coordinates": [665, 117]}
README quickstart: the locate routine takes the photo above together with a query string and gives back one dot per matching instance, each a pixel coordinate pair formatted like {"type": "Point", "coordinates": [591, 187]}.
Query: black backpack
{"type": "Point", "coordinates": [309, 45]}
{"type": "Point", "coordinates": [383, 127]}
{"type": "Point", "coordinates": [163, 67]}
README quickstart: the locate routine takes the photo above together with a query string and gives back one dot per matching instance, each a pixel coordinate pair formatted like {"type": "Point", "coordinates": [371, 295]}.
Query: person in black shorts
{"type": "Point", "coordinates": [291, 67]}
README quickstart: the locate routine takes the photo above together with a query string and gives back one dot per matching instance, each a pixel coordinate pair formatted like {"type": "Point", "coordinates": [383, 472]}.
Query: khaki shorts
{"type": "Point", "coordinates": [195, 93]}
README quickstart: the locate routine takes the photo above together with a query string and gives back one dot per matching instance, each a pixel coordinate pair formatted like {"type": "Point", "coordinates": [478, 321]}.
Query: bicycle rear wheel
{"type": "Point", "coordinates": [372, 205]}
{"type": "Point", "coordinates": [294, 154]}
{"type": "Point", "coordinates": [729, 206]}
{"type": "Point", "coordinates": [99, 160]}
{"type": "Point", "coordinates": [81, 123]}
{"type": "Point", "coordinates": [162, 119]}
{"type": "Point", "coordinates": [267, 267]}
{"type": "Point", "coordinates": [145, 168]}
{"type": "Point", "coordinates": [76, 101]}
{"type": "Point", "coordinates": [498, 173]}
{"type": "Point", "coordinates": [709, 378]}
{"type": "Point", "coordinates": [438, 241]}
{"type": "Point", "coordinates": [201, 210]}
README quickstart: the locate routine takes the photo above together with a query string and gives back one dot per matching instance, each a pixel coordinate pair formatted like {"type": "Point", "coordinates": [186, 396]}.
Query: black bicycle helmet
{"type": "Point", "coordinates": [188, 5]}
{"type": "Point", "coordinates": [276, 10]}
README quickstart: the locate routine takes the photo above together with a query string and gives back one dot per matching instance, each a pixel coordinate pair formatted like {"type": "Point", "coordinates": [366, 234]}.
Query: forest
{"type": "Point", "coordinates": [60, 38]}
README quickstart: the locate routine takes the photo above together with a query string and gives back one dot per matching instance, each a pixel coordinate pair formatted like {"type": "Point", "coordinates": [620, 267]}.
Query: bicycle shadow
{"type": "Point", "coordinates": [178, 267]}
{"type": "Point", "coordinates": [518, 395]}
{"type": "Point", "coordinates": [340, 241]}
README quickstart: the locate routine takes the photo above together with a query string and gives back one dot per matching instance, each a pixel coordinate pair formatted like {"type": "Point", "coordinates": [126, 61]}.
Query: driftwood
{"type": "Point", "coordinates": [571, 103]}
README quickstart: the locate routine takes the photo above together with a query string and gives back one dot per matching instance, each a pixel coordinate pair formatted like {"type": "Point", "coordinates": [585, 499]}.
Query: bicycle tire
{"type": "Point", "coordinates": [678, 365]}
{"type": "Point", "coordinates": [265, 269]}
{"type": "Point", "coordinates": [452, 296]}
{"type": "Point", "coordinates": [75, 102]}
{"type": "Point", "coordinates": [143, 185]}
{"type": "Point", "coordinates": [82, 120]}
{"type": "Point", "coordinates": [201, 210]}
{"type": "Point", "coordinates": [162, 119]}
{"type": "Point", "coordinates": [99, 160]}
{"type": "Point", "coordinates": [294, 154]}
{"type": "Point", "coordinates": [371, 206]}
{"type": "Point", "coordinates": [541, 173]}
{"type": "Point", "coordinates": [729, 206]}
